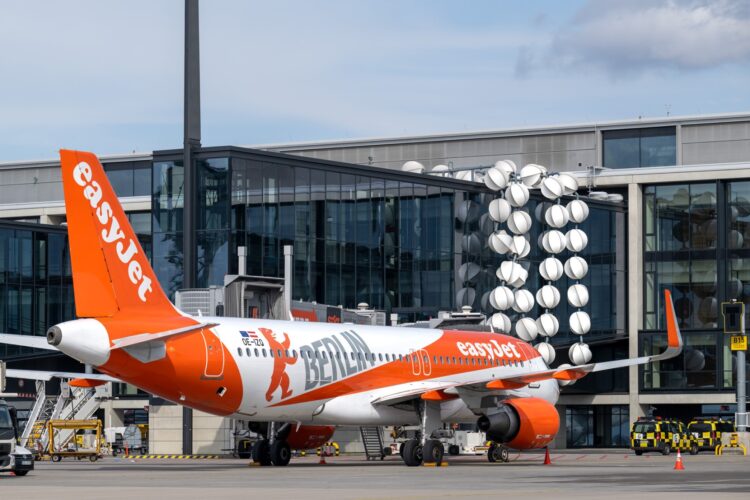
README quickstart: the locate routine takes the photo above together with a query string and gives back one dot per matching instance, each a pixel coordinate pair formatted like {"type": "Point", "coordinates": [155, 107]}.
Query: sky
{"type": "Point", "coordinates": [106, 76]}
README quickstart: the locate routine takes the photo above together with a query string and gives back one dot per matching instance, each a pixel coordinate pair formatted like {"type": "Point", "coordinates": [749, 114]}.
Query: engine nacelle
{"type": "Point", "coordinates": [522, 423]}
{"type": "Point", "coordinates": [309, 436]}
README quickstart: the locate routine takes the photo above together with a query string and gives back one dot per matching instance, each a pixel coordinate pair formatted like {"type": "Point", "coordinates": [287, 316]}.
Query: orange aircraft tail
{"type": "Point", "coordinates": [111, 273]}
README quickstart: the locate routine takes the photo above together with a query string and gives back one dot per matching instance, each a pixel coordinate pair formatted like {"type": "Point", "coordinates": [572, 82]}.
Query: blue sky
{"type": "Point", "coordinates": [107, 76]}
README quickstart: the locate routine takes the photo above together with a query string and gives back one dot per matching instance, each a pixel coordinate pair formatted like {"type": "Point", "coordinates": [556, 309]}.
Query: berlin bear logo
{"type": "Point", "coordinates": [279, 377]}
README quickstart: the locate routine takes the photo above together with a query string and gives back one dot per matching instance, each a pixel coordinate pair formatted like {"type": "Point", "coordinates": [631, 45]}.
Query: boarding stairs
{"type": "Point", "coordinates": [73, 403]}
{"type": "Point", "coordinates": [373, 442]}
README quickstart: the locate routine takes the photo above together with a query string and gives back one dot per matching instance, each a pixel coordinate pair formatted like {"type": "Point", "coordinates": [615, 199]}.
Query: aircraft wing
{"type": "Point", "coordinates": [49, 375]}
{"type": "Point", "coordinates": [26, 341]}
{"type": "Point", "coordinates": [446, 390]}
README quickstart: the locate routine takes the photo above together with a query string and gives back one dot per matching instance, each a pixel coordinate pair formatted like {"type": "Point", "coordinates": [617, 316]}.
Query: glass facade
{"type": "Point", "coordinates": [695, 246]}
{"type": "Point", "coordinates": [36, 287]}
{"type": "Point", "coordinates": [639, 147]}
{"type": "Point", "coordinates": [600, 426]}
{"type": "Point", "coordinates": [129, 178]}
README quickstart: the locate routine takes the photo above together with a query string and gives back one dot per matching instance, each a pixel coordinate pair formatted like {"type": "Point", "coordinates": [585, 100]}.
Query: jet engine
{"type": "Point", "coordinates": [521, 423]}
{"type": "Point", "coordinates": [309, 436]}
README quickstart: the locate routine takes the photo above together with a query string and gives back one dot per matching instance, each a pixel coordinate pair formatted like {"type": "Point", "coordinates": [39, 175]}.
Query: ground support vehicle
{"type": "Point", "coordinates": [705, 433]}
{"type": "Point", "coordinates": [649, 434]}
{"type": "Point", "coordinates": [70, 448]}
{"type": "Point", "coordinates": [13, 458]}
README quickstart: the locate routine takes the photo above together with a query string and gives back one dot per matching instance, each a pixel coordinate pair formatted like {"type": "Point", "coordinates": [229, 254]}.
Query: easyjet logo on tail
{"type": "Point", "coordinates": [112, 232]}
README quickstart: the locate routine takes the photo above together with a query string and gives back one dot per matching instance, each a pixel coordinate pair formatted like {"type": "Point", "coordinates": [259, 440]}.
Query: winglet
{"type": "Point", "coordinates": [674, 338]}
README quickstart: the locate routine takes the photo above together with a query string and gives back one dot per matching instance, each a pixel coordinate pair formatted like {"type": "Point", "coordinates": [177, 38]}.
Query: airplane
{"type": "Point", "coordinates": [295, 380]}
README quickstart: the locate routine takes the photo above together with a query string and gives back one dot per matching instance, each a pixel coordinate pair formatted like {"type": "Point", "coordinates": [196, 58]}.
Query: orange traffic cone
{"type": "Point", "coordinates": [678, 463]}
{"type": "Point", "coordinates": [547, 461]}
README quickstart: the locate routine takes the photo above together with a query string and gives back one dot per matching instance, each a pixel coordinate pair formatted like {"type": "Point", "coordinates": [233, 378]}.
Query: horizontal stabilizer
{"type": "Point", "coordinates": [143, 338]}
{"type": "Point", "coordinates": [26, 341]}
{"type": "Point", "coordinates": [45, 375]}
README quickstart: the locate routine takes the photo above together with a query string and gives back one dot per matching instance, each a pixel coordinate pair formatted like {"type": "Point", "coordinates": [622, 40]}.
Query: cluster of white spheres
{"type": "Point", "coordinates": [502, 298]}
{"type": "Point", "coordinates": [580, 323]}
{"type": "Point", "coordinates": [499, 209]}
{"type": "Point", "coordinates": [512, 273]}
{"type": "Point", "coordinates": [553, 241]}
{"type": "Point", "coordinates": [576, 240]}
{"type": "Point", "coordinates": [578, 295]}
{"type": "Point", "coordinates": [526, 329]}
{"type": "Point", "coordinates": [548, 297]}
{"type": "Point", "coordinates": [547, 324]}
{"type": "Point", "coordinates": [519, 222]}
{"type": "Point", "coordinates": [579, 353]}
{"type": "Point", "coordinates": [504, 243]}
{"type": "Point", "coordinates": [497, 177]}
{"type": "Point", "coordinates": [576, 268]}
{"type": "Point", "coordinates": [500, 322]}
{"type": "Point", "coordinates": [517, 195]}
{"type": "Point", "coordinates": [523, 301]}
{"type": "Point", "coordinates": [556, 216]}
{"type": "Point", "coordinates": [551, 269]}
{"type": "Point", "coordinates": [531, 175]}
{"type": "Point", "coordinates": [546, 351]}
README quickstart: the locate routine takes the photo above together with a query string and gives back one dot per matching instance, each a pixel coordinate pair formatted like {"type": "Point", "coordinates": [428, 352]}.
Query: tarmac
{"type": "Point", "coordinates": [580, 474]}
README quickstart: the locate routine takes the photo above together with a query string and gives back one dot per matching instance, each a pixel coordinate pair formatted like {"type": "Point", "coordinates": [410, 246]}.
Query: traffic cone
{"type": "Point", "coordinates": [547, 461]}
{"type": "Point", "coordinates": [322, 460]}
{"type": "Point", "coordinates": [678, 463]}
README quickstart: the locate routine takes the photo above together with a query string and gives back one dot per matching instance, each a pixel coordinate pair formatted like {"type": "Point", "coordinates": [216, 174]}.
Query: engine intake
{"type": "Point", "coordinates": [522, 423]}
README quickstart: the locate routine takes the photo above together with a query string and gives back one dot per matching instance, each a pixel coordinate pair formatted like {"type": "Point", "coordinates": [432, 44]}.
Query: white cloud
{"type": "Point", "coordinates": [625, 37]}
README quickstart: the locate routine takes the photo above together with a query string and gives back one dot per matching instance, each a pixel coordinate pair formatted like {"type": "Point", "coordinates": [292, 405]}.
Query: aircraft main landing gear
{"type": "Point", "coordinates": [261, 453]}
{"type": "Point", "coordinates": [412, 453]}
{"type": "Point", "coordinates": [281, 453]}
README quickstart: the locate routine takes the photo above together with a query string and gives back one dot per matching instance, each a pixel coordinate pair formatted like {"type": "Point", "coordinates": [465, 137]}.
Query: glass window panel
{"type": "Point", "coordinates": [213, 255]}
{"type": "Point", "coordinates": [142, 179]}
{"type": "Point", "coordinates": [658, 147]}
{"type": "Point", "coordinates": [121, 179]}
{"type": "Point", "coordinates": [168, 200]}
{"type": "Point", "coordinates": [213, 186]}
{"type": "Point", "coordinates": [621, 148]}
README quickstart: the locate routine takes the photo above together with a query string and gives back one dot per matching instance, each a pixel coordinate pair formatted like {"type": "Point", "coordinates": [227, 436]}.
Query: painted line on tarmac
{"type": "Point", "coordinates": [176, 457]}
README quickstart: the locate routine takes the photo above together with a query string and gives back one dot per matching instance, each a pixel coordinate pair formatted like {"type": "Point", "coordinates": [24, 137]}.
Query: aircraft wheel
{"type": "Point", "coordinates": [401, 449]}
{"type": "Point", "coordinates": [491, 453]}
{"type": "Point", "coordinates": [281, 454]}
{"type": "Point", "coordinates": [504, 453]}
{"type": "Point", "coordinates": [261, 452]}
{"type": "Point", "coordinates": [412, 453]}
{"type": "Point", "coordinates": [433, 452]}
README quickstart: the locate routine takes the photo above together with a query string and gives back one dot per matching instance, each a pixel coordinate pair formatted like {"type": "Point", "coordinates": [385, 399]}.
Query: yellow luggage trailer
{"type": "Point", "coordinates": [73, 448]}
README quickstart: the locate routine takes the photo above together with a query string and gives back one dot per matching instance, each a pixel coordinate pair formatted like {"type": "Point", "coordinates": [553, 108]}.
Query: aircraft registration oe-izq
{"type": "Point", "coordinates": [301, 378]}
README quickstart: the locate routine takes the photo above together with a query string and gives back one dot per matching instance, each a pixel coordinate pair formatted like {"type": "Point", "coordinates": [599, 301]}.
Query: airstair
{"type": "Point", "coordinates": [373, 442]}
{"type": "Point", "coordinates": [73, 403]}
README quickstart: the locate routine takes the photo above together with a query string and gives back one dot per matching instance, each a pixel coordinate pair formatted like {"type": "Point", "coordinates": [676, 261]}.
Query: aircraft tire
{"type": "Point", "coordinates": [281, 454]}
{"type": "Point", "coordinates": [412, 453]}
{"type": "Point", "coordinates": [261, 452]}
{"type": "Point", "coordinates": [433, 452]}
{"type": "Point", "coordinates": [491, 453]}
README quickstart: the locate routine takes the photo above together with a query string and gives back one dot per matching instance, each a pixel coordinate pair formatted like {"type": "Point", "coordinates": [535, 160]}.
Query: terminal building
{"type": "Point", "coordinates": [676, 214]}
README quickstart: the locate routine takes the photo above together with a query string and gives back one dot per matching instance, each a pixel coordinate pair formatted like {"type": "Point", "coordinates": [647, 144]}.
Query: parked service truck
{"type": "Point", "coordinates": [13, 458]}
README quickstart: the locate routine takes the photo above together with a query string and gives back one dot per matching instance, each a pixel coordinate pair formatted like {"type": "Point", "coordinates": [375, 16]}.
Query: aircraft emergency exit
{"type": "Point", "coordinates": [301, 378]}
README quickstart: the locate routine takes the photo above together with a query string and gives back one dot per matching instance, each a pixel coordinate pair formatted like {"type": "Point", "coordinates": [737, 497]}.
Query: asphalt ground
{"type": "Point", "coordinates": [580, 474]}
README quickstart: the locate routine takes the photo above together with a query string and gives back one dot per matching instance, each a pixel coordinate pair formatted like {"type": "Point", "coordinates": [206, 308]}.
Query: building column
{"type": "Point", "coordinates": [635, 291]}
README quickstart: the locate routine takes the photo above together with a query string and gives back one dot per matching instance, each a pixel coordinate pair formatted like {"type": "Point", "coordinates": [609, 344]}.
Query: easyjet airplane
{"type": "Point", "coordinates": [300, 378]}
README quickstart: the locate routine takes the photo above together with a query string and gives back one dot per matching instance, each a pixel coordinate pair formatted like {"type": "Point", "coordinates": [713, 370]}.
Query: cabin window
{"type": "Point", "coordinates": [247, 351]}
{"type": "Point", "coordinates": [256, 352]}
{"type": "Point", "coordinates": [294, 353]}
{"type": "Point", "coordinates": [239, 351]}
{"type": "Point", "coordinates": [380, 356]}
{"type": "Point", "coordinates": [286, 353]}
{"type": "Point", "coordinates": [264, 352]}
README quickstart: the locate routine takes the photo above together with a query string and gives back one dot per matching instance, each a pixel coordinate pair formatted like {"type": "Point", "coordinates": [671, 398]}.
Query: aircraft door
{"type": "Point", "coordinates": [214, 368]}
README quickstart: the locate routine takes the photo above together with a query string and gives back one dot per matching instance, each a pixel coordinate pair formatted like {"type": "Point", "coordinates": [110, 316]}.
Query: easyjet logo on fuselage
{"type": "Point", "coordinates": [112, 232]}
{"type": "Point", "coordinates": [491, 349]}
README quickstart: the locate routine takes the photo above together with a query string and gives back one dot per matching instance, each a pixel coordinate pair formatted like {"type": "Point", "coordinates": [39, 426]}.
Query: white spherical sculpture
{"type": "Point", "coordinates": [496, 179]}
{"type": "Point", "coordinates": [501, 298]}
{"type": "Point", "coordinates": [520, 247]}
{"type": "Point", "coordinates": [548, 325]}
{"type": "Point", "coordinates": [508, 167]}
{"type": "Point", "coordinates": [519, 222]}
{"type": "Point", "coordinates": [576, 268]}
{"type": "Point", "coordinates": [541, 209]}
{"type": "Point", "coordinates": [556, 216]}
{"type": "Point", "coordinates": [568, 182]}
{"type": "Point", "coordinates": [551, 189]}
{"type": "Point", "coordinates": [500, 242]}
{"type": "Point", "coordinates": [548, 297]}
{"type": "Point", "coordinates": [499, 209]}
{"type": "Point", "coordinates": [517, 194]}
{"type": "Point", "coordinates": [576, 240]}
{"type": "Point", "coordinates": [512, 273]}
{"type": "Point", "coordinates": [553, 241]}
{"type": "Point", "coordinates": [551, 269]}
{"type": "Point", "coordinates": [580, 323]}
{"type": "Point", "coordinates": [413, 166]}
{"type": "Point", "coordinates": [526, 329]}
{"type": "Point", "coordinates": [531, 174]}
{"type": "Point", "coordinates": [578, 295]}
{"type": "Point", "coordinates": [578, 211]}
{"type": "Point", "coordinates": [579, 353]}
{"type": "Point", "coordinates": [547, 352]}
{"type": "Point", "coordinates": [523, 301]}
{"type": "Point", "coordinates": [500, 322]}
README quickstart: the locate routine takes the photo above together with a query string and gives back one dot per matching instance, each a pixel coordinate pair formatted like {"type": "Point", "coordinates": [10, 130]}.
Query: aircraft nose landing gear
{"type": "Point", "coordinates": [498, 453]}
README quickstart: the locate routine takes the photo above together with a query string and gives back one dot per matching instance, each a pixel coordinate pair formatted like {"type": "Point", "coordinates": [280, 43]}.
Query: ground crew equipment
{"type": "Point", "coordinates": [705, 433]}
{"type": "Point", "coordinates": [734, 443]}
{"type": "Point", "coordinates": [654, 434]}
{"type": "Point", "coordinates": [678, 463]}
